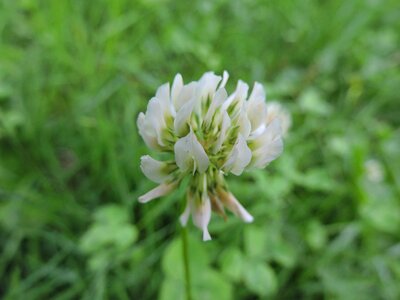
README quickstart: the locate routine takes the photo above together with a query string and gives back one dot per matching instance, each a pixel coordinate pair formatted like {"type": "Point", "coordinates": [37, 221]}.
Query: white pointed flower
{"type": "Point", "coordinates": [208, 85]}
{"type": "Point", "coordinates": [201, 210]}
{"type": "Point", "coordinates": [182, 120]}
{"type": "Point", "coordinates": [267, 145]}
{"type": "Point", "coordinates": [276, 111]}
{"type": "Point", "coordinates": [207, 134]}
{"type": "Point", "coordinates": [155, 170]}
{"type": "Point", "coordinates": [223, 130]}
{"type": "Point", "coordinates": [182, 94]}
{"type": "Point", "coordinates": [154, 123]}
{"type": "Point", "coordinates": [190, 155]}
{"type": "Point", "coordinates": [159, 191]}
{"type": "Point", "coordinates": [184, 217]}
{"type": "Point", "coordinates": [229, 200]}
{"type": "Point", "coordinates": [176, 89]}
{"type": "Point", "coordinates": [256, 108]}
{"type": "Point", "coordinates": [239, 158]}
{"type": "Point", "coordinates": [219, 98]}
{"type": "Point", "coordinates": [147, 132]}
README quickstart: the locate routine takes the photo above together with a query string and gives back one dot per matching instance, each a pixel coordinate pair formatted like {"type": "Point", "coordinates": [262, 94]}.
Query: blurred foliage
{"type": "Point", "coordinates": [73, 77]}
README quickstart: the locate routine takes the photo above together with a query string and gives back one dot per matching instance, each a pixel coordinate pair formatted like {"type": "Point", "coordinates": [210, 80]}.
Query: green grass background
{"type": "Point", "coordinates": [75, 74]}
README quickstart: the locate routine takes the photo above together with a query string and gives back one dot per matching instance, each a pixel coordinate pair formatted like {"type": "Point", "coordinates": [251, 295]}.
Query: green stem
{"type": "Point", "coordinates": [185, 250]}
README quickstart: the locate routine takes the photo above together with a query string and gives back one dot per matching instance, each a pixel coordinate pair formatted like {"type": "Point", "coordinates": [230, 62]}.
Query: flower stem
{"type": "Point", "coordinates": [185, 250]}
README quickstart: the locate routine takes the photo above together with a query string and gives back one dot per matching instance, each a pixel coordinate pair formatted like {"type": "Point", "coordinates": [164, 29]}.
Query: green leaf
{"type": "Point", "coordinates": [316, 179]}
{"type": "Point", "coordinates": [99, 261]}
{"type": "Point", "coordinates": [172, 288]}
{"type": "Point", "coordinates": [209, 286]}
{"type": "Point", "coordinates": [5, 90]}
{"type": "Point", "coordinates": [311, 101]}
{"type": "Point", "coordinates": [231, 262]}
{"type": "Point", "coordinates": [315, 235]}
{"type": "Point", "coordinates": [103, 236]}
{"type": "Point", "coordinates": [212, 285]}
{"type": "Point", "coordinates": [255, 241]}
{"type": "Point", "coordinates": [172, 261]}
{"type": "Point", "coordinates": [110, 231]}
{"type": "Point", "coordinates": [206, 283]}
{"type": "Point", "coordinates": [382, 214]}
{"type": "Point", "coordinates": [340, 285]}
{"type": "Point", "coordinates": [284, 254]}
{"type": "Point", "coordinates": [112, 214]}
{"type": "Point", "coordinates": [260, 278]}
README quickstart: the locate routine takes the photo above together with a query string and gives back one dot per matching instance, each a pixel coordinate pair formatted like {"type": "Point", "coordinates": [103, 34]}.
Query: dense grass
{"type": "Point", "coordinates": [75, 74]}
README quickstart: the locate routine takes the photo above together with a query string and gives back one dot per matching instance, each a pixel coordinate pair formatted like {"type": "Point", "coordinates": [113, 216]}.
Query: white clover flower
{"type": "Point", "coordinates": [276, 111]}
{"type": "Point", "coordinates": [207, 134]}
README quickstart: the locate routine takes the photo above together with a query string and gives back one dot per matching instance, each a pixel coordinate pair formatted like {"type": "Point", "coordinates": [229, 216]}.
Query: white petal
{"type": "Point", "coordinates": [272, 132]}
{"type": "Point", "coordinates": [182, 118]}
{"type": "Point", "coordinates": [217, 206]}
{"type": "Point", "coordinates": [189, 153]}
{"type": "Point", "coordinates": [206, 235]}
{"type": "Point", "coordinates": [199, 155]}
{"type": "Point", "coordinates": [239, 158]}
{"type": "Point", "coordinates": [259, 131]}
{"type": "Point", "coordinates": [219, 97]}
{"type": "Point", "coordinates": [237, 99]}
{"type": "Point", "coordinates": [201, 214]}
{"type": "Point", "coordinates": [183, 156]}
{"type": "Point", "coordinates": [242, 89]}
{"type": "Point", "coordinates": [244, 123]}
{"type": "Point", "coordinates": [230, 201]}
{"type": "Point", "coordinates": [153, 169]}
{"type": "Point", "coordinates": [225, 78]}
{"type": "Point", "coordinates": [226, 123]}
{"type": "Point", "coordinates": [159, 191]}
{"type": "Point", "coordinates": [268, 153]}
{"type": "Point", "coordinates": [256, 107]}
{"type": "Point", "coordinates": [208, 84]}
{"type": "Point", "coordinates": [268, 146]}
{"type": "Point", "coordinates": [163, 93]}
{"type": "Point", "coordinates": [243, 158]}
{"type": "Point", "coordinates": [256, 113]}
{"type": "Point", "coordinates": [273, 109]}
{"type": "Point", "coordinates": [258, 92]}
{"type": "Point", "coordinates": [187, 93]}
{"type": "Point", "coordinates": [228, 102]}
{"type": "Point", "coordinates": [206, 88]}
{"type": "Point", "coordinates": [148, 134]}
{"type": "Point", "coordinates": [227, 167]}
{"type": "Point", "coordinates": [276, 110]}
{"type": "Point", "coordinates": [184, 217]}
{"type": "Point", "coordinates": [155, 118]}
{"type": "Point", "coordinates": [176, 89]}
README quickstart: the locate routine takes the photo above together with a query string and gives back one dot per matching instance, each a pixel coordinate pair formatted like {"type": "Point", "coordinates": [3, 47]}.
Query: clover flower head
{"type": "Point", "coordinates": [207, 134]}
